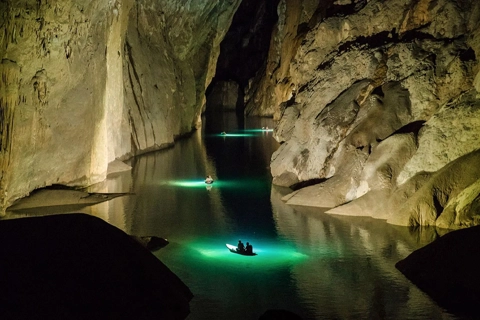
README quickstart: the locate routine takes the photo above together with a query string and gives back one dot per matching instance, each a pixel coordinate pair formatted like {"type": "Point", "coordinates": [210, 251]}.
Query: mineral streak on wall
{"type": "Point", "coordinates": [86, 82]}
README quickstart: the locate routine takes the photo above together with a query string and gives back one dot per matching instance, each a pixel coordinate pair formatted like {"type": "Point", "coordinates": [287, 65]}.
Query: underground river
{"type": "Point", "coordinates": [317, 265]}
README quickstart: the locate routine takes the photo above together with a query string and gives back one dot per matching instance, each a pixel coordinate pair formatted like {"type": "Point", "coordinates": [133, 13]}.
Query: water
{"type": "Point", "coordinates": [317, 265]}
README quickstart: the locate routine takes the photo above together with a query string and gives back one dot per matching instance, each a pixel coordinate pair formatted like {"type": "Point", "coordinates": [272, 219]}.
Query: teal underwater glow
{"type": "Point", "coordinates": [243, 133]}
{"type": "Point", "coordinates": [234, 135]}
{"type": "Point", "coordinates": [187, 183]}
{"type": "Point", "coordinates": [223, 184]}
{"type": "Point", "coordinates": [316, 265]}
{"type": "Point", "coordinates": [268, 254]}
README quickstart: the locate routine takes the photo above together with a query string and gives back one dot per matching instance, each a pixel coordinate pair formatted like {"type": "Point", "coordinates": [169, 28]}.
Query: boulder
{"type": "Point", "coordinates": [152, 243]}
{"type": "Point", "coordinates": [449, 134]}
{"type": "Point", "coordinates": [447, 270]}
{"type": "Point", "coordinates": [76, 266]}
{"type": "Point", "coordinates": [372, 190]}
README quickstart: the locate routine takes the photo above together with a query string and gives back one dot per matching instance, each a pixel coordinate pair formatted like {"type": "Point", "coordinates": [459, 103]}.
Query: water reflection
{"type": "Point", "coordinates": [350, 272]}
{"type": "Point", "coordinates": [317, 265]}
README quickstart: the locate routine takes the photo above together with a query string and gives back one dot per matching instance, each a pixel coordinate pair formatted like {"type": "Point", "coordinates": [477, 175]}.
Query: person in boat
{"type": "Point", "coordinates": [249, 248]}
{"type": "Point", "coordinates": [240, 246]}
{"type": "Point", "coordinates": [209, 179]}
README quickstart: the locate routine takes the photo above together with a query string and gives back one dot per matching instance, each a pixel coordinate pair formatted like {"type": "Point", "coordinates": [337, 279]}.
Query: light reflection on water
{"type": "Point", "coordinates": [317, 265]}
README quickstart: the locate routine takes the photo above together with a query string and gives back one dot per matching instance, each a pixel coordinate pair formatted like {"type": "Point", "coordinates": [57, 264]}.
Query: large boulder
{"type": "Point", "coordinates": [447, 270]}
{"type": "Point", "coordinates": [76, 266]}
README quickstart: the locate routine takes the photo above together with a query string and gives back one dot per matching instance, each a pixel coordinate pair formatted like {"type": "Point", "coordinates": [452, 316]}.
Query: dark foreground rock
{"type": "Point", "coordinates": [279, 314]}
{"type": "Point", "coordinates": [448, 270]}
{"type": "Point", "coordinates": [76, 266]}
{"type": "Point", "coordinates": [152, 243]}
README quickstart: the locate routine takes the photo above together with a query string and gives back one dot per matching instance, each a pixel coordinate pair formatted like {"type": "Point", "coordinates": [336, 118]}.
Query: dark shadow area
{"type": "Point", "coordinates": [447, 270]}
{"type": "Point", "coordinates": [76, 266]}
{"type": "Point", "coordinates": [468, 55]}
{"type": "Point", "coordinates": [412, 127]}
{"type": "Point", "coordinates": [245, 47]}
{"type": "Point", "coordinates": [307, 183]}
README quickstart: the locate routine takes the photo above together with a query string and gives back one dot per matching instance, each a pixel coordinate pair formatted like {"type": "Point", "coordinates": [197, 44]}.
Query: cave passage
{"type": "Point", "coordinates": [316, 265]}
{"type": "Point", "coordinates": [243, 52]}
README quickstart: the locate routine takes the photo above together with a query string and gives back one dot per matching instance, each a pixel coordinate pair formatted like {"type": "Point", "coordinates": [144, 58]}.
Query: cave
{"type": "Point", "coordinates": [332, 114]}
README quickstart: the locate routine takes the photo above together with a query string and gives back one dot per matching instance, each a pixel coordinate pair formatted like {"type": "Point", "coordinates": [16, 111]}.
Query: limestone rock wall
{"type": "Point", "coordinates": [374, 102]}
{"type": "Point", "coordinates": [86, 82]}
{"type": "Point", "coordinates": [274, 86]}
{"type": "Point", "coordinates": [55, 113]}
{"type": "Point", "coordinates": [170, 58]}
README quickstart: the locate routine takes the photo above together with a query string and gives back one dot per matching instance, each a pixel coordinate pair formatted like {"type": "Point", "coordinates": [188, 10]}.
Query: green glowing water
{"type": "Point", "coordinates": [219, 184]}
{"type": "Point", "coordinates": [316, 265]}
{"type": "Point", "coordinates": [233, 135]}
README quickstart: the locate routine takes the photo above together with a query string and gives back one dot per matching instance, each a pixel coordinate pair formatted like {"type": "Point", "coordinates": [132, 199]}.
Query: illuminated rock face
{"type": "Point", "coordinates": [85, 83]}
{"type": "Point", "coordinates": [370, 100]}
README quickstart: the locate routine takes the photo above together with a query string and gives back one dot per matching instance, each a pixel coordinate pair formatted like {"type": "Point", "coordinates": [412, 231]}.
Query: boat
{"type": "Point", "coordinates": [233, 249]}
{"type": "Point", "coordinates": [209, 180]}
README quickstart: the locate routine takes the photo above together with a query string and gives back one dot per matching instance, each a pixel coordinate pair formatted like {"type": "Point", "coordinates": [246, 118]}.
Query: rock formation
{"type": "Point", "coordinates": [379, 102]}
{"type": "Point", "coordinates": [85, 83]}
{"type": "Point", "coordinates": [447, 270]}
{"type": "Point", "coordinates": [78, 266]}
{"type": "Point", "coordinates": [374, 99]}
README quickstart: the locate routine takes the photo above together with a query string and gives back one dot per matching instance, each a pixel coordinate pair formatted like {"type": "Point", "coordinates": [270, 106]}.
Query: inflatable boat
{"type": "Point", "coordinates": [233, 249]}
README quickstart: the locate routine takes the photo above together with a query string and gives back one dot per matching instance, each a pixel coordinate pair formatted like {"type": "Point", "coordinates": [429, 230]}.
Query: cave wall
{"type": "Point", "coordinates": [349, 81]}
{"type": "Point", "coordinates": [85, 83]}
{"type": "Point", "coordinates": [374, 99]}
{"type": "Point", "coordinates": [170, 58]}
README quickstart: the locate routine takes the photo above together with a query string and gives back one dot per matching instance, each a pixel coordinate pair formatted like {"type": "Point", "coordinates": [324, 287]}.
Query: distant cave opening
{"type": "Point", "coordinates": [243, 52]}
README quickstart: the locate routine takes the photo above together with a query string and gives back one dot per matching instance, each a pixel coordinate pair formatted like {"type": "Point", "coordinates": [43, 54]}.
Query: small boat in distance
{"type": "Point", "coordinates": [234, 249]}
{"type": "Point", "coordinates": [209, 180]}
